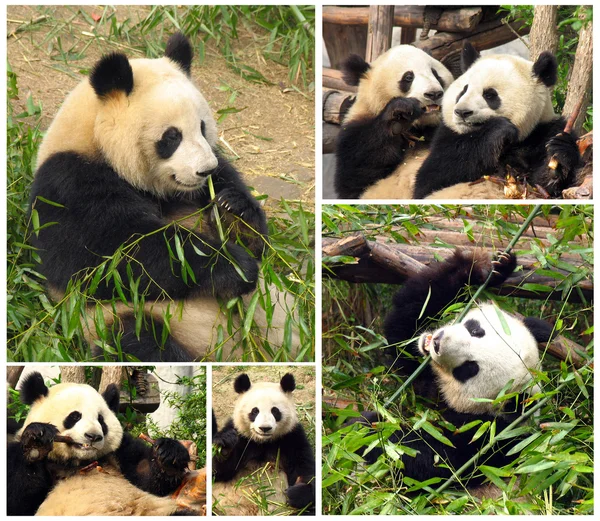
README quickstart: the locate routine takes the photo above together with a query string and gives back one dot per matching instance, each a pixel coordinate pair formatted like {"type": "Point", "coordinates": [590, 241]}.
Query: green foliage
{"type": "Point", "coordinates": [190, 423]}
{"type": "Point", "coordinates": [553, 472]}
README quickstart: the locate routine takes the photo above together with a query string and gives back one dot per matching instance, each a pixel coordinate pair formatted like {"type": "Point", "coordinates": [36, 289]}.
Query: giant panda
{"type": "Point", "coordinates": [264, 431]}
{"type": "Point", "coordinates": [123, 172]}
{"type": "Point", "coordinates": [384, 136]}
{"type": "Point", "coordinates": [472, 362]}
{"type": "Point", "coordinates": [498, 114]}
{"type": "Point", "coordinates": [49, 475]}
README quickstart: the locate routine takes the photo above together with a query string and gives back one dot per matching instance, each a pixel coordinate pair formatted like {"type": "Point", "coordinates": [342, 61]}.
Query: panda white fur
{"type": "Point", "coordinates": [498, 114]}
{"type": "Point", "coordinates": [398, 101]}
{"type": "Point", "coordinates": [487, 352]}
{"type": "Point", "coordinates": [125, 165]}
{"type": "Point", "coordinates": [51, 477]}
{"type": "Point", "coordinates": [263, 446]}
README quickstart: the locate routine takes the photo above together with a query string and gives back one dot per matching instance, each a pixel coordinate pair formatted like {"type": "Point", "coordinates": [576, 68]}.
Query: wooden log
{"type": "Point", "coordinates": [543, 35]}
{"type": "Point", "coordinates": [452, 20]}
{"type": "Point", "coordinates": [330, 134]}
{"type": "Point", "coordinates": [13, 373]}
{"type": "Point", "coordinates": [332, 79]}
{"type": "Point", "coordinates": [335, 105]}
{"type": "Point", "coordinates": [485, 36]}
{"type": "Point", "coordinates": [584, 191]}
{"type": "Point", "coordinates": [580, 83]}
{"type": "Point", "coordinates": [343, 40]}
{"type": "Point", "coordinates": [379, 35]}
{"type": "Point", "coordinates": [394, 260]}
{"type": "Point", "coordinates": [353, 246]}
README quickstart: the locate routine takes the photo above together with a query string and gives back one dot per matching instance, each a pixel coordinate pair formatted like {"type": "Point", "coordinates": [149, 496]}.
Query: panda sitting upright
{"type": "Point", "coordinates": [70, 428]}
{"type": "Point", "coordinates": [498, 114]}
{"type": "Point", "coordinates": [264, 429]}
{"type": "Point", "coordinates": [123, 171]}
{"type": "Point", "coordinates": [487, 352]}
{"type": "Point", "coordinates": [384, 135]}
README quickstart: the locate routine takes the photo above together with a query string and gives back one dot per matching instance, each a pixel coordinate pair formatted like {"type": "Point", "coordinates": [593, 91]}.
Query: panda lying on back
{"type": "Point", "coordinates": [125, 163]}
{"type": "Point", "coordinates": [498, 113]}
{"type": "Point", "coordinates": [476, 358]}
{"type": "Point", "coordinates": [264, 429]}
{"type": "Point", "coordinates": [398, 100]}
{"type": "Point", "coordinates": [68, 429]}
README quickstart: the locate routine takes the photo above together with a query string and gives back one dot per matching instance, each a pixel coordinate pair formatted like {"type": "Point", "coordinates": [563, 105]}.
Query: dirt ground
{"type": "Point", "coordinates": [57, 50]}
{"type": "Point", "coordinates": [224, 397]}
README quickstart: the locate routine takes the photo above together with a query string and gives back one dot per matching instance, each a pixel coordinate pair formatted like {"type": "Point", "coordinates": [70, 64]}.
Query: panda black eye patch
{"type": "Point", "coordinates": [169, 142]}
{"type": "Point", "coordinates": [276, 414]}
{"type": "Point", "coordinates": [474, 328]}
{"type": "Point", "coordinates": [203, 128]}
{"type": "Point", "coordinates": [491, 98]}
{"type": "Point", "coordinates": [461, 93]}
{"type": "Point", "coordinates": [102, 424]}
{"type": "Point", "coordinates": [72, 419]}
{"type": "Point", "coordinates": [253, 414]}
{"type": "Point", "coordinates": [438, 78]}
{"type": "Point", "coordinates": [406, 81]}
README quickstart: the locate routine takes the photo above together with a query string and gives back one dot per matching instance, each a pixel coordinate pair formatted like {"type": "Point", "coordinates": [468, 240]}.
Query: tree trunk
{"type": "Point", "coordinates": [110, 375]}
{"type": "Point", "coordinates": [72, 374]}
{"type": "Point", "coordinates": [13, 373]}
{"type": "Point", "coordinates": [580, 84]}
{"type": "Point", "coordinates": [379, 37]}
{"type": "Point", "coordinates": [543, 35]}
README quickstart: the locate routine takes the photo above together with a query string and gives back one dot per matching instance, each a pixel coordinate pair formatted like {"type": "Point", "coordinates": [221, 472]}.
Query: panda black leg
{"type": "Point", "coordinates": [502, 267]}
{"type": "Point", "coordinates": [561, 148]}
{"type": "Point", "coordinates": [301, 496]}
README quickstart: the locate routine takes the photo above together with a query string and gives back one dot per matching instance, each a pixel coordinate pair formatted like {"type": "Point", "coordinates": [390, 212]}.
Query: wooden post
{"type": "Point", "coordinates": [379, 36]}
{"type": "Point", "coordinates": [111, 374]}
{"type": "Point", "coordinates": [543, 35]}
{"type": "Point", "coordinates": [408, 35]}
{"type": "Point", "coordinates": [580, 84]}
{"type": "Point", "coordinates": [72, 373]}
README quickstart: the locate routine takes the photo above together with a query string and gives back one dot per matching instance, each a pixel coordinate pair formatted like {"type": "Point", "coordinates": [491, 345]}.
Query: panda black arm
{"type": "Point", "coordinates": [458, 158]}
{"type": "Point", "coordinates": [299, 465]}
{"type": "Point", "coordinates": [370, 148]}
{"type": "Point", "coordinates": [434, 288]}
{"type": "Point", "coordinates": [230, 448]}
{"type": "Point", "coordinates": [158, 469]}
{"type": "Point", "coordinates": [99, 212]}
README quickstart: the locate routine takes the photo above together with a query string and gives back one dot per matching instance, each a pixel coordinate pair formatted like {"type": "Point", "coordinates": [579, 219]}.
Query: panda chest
{"type": "Point", "coordinates": [260, 453]}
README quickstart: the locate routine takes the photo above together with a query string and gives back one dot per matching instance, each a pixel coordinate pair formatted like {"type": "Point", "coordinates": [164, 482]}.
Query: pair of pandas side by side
{"type": "Point", "coordinates": [126, 216]}
{"type": "Point", "coordinates": [415, 132]}
{"type": "Point", "coordinates": [487, 355]}
{"type": "Point", "coordinates": [51, 464]}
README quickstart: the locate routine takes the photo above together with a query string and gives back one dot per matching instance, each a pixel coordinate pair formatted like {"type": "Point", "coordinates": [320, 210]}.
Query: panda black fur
{"type": "Point", "coordinates": [377, 150]}
{"type": "Point", "coordinates": [498, 113]}
{"type": "Point", "coordinates": [46, 477]}
{"type": "Point", "coordinates": [264, 429]}
{"type": "Point", "coordinates": [473, 359]}
{"type": "Point", "coordinates": [128, 155]}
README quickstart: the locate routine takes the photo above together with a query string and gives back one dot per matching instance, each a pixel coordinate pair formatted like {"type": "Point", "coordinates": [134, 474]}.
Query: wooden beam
{"type": "Point", "coordinates": [332, 79]}
{"type": "Point", "coordinates": [379, 35]}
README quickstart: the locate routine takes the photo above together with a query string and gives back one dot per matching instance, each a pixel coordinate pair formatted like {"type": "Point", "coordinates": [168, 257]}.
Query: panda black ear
{"type": "Point", "coordinates": [353, 69]}
{"type": "Point", "coordinates": [242, 383]}
{"type": "Point", "coordinates": [288, 384]}
{"type": "Point", "coordinates": [111, 397]}
{"type": "Point", "coordinates": [32, 388]}
{"type": "Point", "coordinates": [112, 73]}
{"type": "Point", "coordinates": [180, 51]}
{"type": "Point", "coordinates": [468, 56]}
{"type": "Point", "coordinates": [546, 68]}
{"type": "Point", "coordinates": [540, 329]}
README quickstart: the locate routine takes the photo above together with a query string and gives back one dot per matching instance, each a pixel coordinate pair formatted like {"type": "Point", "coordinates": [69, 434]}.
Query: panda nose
{"type": "Point", "coordinates": [434, 95]}
{"type": "Point", "coordinates": [463, 113]}
{"type": "Point", "coordinates": [93, 437]}
{"type": "Point", "coordinates": [436, 341]}
{"type": "Point", "coordinates": [266, 429]}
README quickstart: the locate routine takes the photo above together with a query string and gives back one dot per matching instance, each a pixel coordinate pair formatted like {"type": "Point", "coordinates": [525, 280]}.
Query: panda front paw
{"type": "Point", "coordinates": [564, 150]}
{"type": "Point", "coordinates": [171, 456]}
{"type": "Point", "coordinates": [502, 266]}
{"type": "Point", "coordinates": [227, 280]}
{"type": "Point", "coordinates": [236, 202]}
{"type": "Point", "coordinates": [301, 495]}
{"type": "Point", "coordinates": [503, 133]}
{"type": "Point", "coordinates": [37, 440]}
{"type": "Point", "coordinates": [225, 442]}
{"type": "Point", "coordinates": [402, 112]}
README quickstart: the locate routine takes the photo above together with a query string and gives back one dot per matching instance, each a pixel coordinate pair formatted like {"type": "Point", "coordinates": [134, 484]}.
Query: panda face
{"type": "Point", "coordinates": [403, 71]}
{"type": "Point", "coordinates": [265, 411]}
{"type": "Point", "coordinates": [161, 136]}
{"type": "Point", "coordinates": [478, 357]}
{"type": "Point", "coordinates": [79, 412]}
{"type": "Point", "coordinates": [498, 86]}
